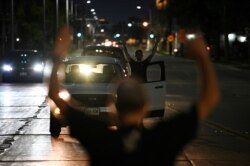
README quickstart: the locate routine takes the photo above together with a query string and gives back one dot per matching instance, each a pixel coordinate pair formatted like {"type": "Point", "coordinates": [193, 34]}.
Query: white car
{"type": "Point", "coordinates": [91, 80]}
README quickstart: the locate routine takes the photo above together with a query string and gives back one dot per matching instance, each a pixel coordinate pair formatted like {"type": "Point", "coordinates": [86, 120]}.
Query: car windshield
{"type": "Point", "coordinates": [23, 55]}
{"type": "Point", "coordinates": [89, 73]}
{"type": "Point", "coordinates": [115, 53]}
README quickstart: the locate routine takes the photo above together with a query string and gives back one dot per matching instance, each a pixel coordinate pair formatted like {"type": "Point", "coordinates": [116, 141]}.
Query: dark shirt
{"type": "Point", "coordinates": [138, 69]}
{"type": "Point", "coordinates": [133, 146]}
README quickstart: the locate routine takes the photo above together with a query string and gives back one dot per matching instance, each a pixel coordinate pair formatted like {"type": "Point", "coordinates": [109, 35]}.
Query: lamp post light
{"type": "Point", "coordinates": [145, 24]}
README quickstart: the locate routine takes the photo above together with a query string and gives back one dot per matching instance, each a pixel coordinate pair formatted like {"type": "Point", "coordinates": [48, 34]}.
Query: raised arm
{"type": "Point", "coordinates": [209, 90]}
{"type": "Point", "coordinates": [158, 39]}
{"type": "Point", "coordinates": [61, 47]}
{"type": "Point", "coordinates": [126, 51]}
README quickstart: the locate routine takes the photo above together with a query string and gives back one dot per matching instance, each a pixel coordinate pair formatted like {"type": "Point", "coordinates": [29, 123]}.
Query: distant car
{"type": "Point", "coordinates": [22, 65]}
{"type": "Point", "coordinates": [108, 51]}
{"type": "Point", "coordinates": [91, 81]}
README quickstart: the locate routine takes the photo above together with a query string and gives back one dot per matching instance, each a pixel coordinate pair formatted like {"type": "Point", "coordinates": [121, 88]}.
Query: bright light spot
{"type": "Point", "coordinates": [85, 69]}
{"type": "Point", "coordinates": [57, 111]}
{"type": "Point", "coordinates": [17, 39]}
{"type": "Point", "coordinates": [129, 24]}
{"type": "Point", "coordinates": [114, 44]}
{"type": "Point", "coordinates": [107, 43]}
{"type": "Point", "coordinates": [88, 2]}
{"type": "Point", "coordinates": [35, 50]}
{"type": "Point", "coordinates": [145, 24]}
{"type": "Point", "coordinates": [64, 94]}
{"type": "Point", "coordinates": [79, 34]}
{"type": "Point", "coordinates": [117, 35]}
{"type": "Point", "coordinates": [94, 13]}
{"type": "Point", "coordinates": [38, 67]}
{"type": "Point", "coordinates": [242, 39]}
{"type": "Point", "coordinates": [208, 48]}
{"type": "Point", "coordinates": [231, 37]}
{"type": "Point", "coordinates": [175, 50]}
{"type": "Point", "coordinates": [102, 30]}
{"type": "Point", "coordinates": [92, 10]}
{"type": "Point", "coordinates": [138, 7]}
{"type": "Point", "coordinates": [7, 68]}
{"type": "Point", "coordinates": [88, 25]}
{"type": "Point", "coordinates": [60, 38]}
{"type": "Point", "coordinates": [190, 36]}
{"type": "Point", "coordinates": [151, 36]}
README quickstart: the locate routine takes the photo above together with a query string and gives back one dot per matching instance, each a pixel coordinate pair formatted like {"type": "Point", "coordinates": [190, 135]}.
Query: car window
{"type": "Point", "coordinates": [89, 73]}
{"type": "Point", "coordinates": [20, 55]}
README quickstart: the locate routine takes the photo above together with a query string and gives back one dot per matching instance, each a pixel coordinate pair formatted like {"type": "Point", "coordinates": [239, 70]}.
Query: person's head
{"type": "Point", "coordinates": [139, 55]}
{"type": "Point", "coordinates": [131, 102]}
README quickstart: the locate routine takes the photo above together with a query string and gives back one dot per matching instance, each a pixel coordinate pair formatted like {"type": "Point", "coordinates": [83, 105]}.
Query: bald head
{"type": "Point", "coordinates": [131, 97]}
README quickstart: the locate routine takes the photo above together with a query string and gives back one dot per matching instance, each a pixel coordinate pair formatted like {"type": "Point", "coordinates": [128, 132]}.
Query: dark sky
{"type": "Point", "coordinates": [120, 10]}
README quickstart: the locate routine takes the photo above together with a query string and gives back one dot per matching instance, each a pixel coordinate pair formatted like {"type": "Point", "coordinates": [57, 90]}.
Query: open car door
{"type": "Point", "coordinates": [155, 84]}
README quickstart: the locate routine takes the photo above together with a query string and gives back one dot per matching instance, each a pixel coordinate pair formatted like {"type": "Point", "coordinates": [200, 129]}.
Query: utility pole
{"type": "Point", "coordinates": [57, 15]}
{"type": "Point", "coordinates": [67, 12]}
{"type": "Point", "coordinates": [12, 25]}
{"type": "Point", "coordinates": [44, 27]}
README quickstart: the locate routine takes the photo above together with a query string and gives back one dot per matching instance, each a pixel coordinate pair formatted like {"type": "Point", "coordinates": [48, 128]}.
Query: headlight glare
{"type": "Point", "coordinates": [7, 68]}
{"type": "Point", "coordinates": [38, 67]}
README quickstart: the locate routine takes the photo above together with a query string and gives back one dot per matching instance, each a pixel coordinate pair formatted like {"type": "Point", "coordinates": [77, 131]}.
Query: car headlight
{"type": "Point", "coordinates": [38, 67]}
{"type": "Point", "coordinates": [7, 68]}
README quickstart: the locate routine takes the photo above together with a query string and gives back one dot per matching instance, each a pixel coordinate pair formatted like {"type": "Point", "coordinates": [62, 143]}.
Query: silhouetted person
{"type": "Point", "coordinates": [132, 144]}
{"type": "Point", "coordinates": [138, 66]}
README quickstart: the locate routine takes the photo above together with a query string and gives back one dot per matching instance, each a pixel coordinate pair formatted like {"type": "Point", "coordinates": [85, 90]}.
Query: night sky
{"type": "Point", "coordinates": [120, 10]}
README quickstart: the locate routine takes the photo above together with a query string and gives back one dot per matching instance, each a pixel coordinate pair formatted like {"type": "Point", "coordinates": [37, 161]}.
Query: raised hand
{"type": "Point", "coordinates": [63, 42]}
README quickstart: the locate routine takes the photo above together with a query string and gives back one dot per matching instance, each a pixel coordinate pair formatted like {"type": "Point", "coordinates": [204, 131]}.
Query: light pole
{"type": "Point", "coordinates": [12, 26]}
{"type": "Point", "coordinates": [57, 15]}
{"type": "Point", "coordinates": [67, 12]}
{"type": "Point", "coordinates": [44, 27]}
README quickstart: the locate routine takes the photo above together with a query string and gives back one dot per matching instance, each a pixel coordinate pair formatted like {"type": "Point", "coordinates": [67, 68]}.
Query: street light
{"type": "Point", "coordinates": [88, 2]}
{"type": "Point", "coordinates": [145, 24]}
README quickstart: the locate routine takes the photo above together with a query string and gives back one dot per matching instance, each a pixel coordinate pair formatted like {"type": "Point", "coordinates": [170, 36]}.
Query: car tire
{"type": "Point", "coordinates": [55, 126]}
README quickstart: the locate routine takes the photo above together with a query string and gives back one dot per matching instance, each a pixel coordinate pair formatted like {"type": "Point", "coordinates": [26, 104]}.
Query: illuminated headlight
{"type": "Point", "coordinates": [7, 68]}
{"type": "Point", "coordinates": [85, 69]}
{"type": "Point", "coordinates": [38, 67]}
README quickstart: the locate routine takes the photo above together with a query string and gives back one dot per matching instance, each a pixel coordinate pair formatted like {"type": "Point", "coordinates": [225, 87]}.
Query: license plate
{"type": "Point", "coordinates": [92, 111]}
{"type": "Point", "coordinates": [23, 74]}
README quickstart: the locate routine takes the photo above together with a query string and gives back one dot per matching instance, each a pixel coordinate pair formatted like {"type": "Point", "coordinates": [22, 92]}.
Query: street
{"type": "Point", "coordinates": [224, 139]}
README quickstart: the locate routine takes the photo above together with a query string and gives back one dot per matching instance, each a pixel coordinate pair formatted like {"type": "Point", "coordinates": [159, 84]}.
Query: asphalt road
{"type": "Point", "coordinates": [222, 140]}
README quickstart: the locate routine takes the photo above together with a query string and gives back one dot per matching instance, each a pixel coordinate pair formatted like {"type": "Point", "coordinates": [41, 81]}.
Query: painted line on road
{"type": "Point", "coordinates": [217, 125]}
{"type": "Point", "coordinates": [231, 131]}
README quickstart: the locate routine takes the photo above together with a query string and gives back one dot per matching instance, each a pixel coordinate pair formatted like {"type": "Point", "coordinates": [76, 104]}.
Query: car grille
{"type": "Point", "coordinates": [92, 100]}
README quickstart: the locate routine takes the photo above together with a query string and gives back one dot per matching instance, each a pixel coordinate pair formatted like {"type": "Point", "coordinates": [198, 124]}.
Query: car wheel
{"type": "Point", "coordinates": [55, 126]}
